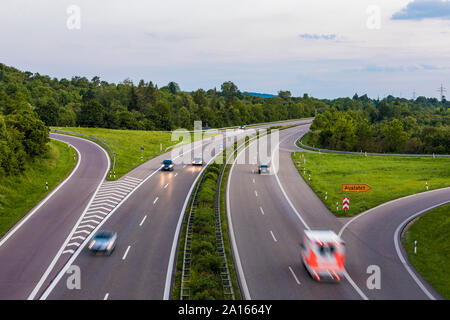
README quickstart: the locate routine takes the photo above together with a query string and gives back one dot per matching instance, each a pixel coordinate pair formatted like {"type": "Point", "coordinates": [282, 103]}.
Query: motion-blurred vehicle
{"type": "Point", "coordinates": [103, 241]}
{"type": "Point", "coordinates": [323, 254]}
{"type": "Point", "coordinates": [263, 168]}
{"type": "Point", "coordinates": [167, 165]}
{"type": "Point", "coordinates": [197, 161]}
{"type": "Point", "coordinates": [242, 127]}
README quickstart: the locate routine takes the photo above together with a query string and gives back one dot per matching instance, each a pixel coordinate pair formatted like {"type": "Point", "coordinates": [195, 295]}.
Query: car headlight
{"type": "Point", "coordinates": [109, 245]}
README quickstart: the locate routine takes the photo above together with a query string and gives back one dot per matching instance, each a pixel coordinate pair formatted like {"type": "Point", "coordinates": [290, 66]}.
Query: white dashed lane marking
{"type": "Point", "coordinates": [109, 195]}
{"type": "Point", "coordinates": [142, 222]}
{"type": "Point", "coordinates": [126, 252]}
{"type": "Point", "coordinates": [274, 239]}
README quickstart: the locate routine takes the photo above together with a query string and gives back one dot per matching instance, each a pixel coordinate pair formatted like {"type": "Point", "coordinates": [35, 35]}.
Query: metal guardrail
{"type": "Point", "coordinates": [224, 271]}
{"type": "Point", "coordinates": [187, 255]}
{"type": "Point", "coordinates": [90, 137]}
{"type": "Point", "coordinates": [372, 153]}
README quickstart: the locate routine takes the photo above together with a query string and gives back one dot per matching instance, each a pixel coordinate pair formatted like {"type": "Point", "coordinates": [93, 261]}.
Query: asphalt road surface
{"type": "Point", "coordinates": [27, 251]}
{"type": "Point", "coordinates": [147, 222]}
{"type": "Point", "coordinates": [270, 212]}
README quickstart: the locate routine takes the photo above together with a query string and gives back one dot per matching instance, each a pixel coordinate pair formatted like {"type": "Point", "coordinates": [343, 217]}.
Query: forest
{"type": "Point", "coordinates": [31, 102]}
{"type": "Point", "coordinates": [391, 125]}
{"type": "Point", "coordinates": [96, 103]}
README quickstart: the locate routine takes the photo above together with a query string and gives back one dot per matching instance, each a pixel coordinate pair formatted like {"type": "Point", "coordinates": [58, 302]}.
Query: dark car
{"type": "Point", "coordinates": [104, 241]}
{"type": "Point", "coordinates": [263, 168]}
{"type": "Point", "coordinates": [167, 165]}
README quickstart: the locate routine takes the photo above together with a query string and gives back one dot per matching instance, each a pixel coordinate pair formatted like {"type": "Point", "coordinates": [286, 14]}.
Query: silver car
{"type": "Point", "coordinates": [197, 161]}
{"type": "Point", "coordinates": [103, 241]}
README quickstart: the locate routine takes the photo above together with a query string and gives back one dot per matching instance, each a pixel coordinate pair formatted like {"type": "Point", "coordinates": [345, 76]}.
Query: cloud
{"type": "Point", "coordinates": [318, 36]}
{"type": "Point", "coordinates": [424, 9]}
{"type": "Point", "coordinates": [372, 68]}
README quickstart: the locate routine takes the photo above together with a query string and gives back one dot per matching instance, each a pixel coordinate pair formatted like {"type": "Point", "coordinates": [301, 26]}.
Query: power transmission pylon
{"type": "Point", "coordinates": [442, 92]}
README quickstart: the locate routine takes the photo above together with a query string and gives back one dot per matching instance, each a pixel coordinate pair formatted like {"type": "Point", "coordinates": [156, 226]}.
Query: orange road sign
{"type": "Point", "coordinates": [355, 187]}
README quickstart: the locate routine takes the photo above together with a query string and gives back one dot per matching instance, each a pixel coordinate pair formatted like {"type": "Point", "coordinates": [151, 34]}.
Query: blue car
{"type": "Point", "coordinates": [167, 165]}
{"type": "Point", "coordinates": [103, 241]}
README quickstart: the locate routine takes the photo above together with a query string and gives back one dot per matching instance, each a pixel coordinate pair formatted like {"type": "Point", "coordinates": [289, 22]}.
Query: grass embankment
{"type": "Point", "coordinates": [389, 177]}
{"type": "Point", "coordinates": [226, 240]}
{"type": "Point", "coordinates": [19, 194]}
{"type": "Point", "coordinates": [432, 232]}
{"type": "Point", "coordinates": [126, 144]}
{"type": "Point", "coordinates": [205, 281]}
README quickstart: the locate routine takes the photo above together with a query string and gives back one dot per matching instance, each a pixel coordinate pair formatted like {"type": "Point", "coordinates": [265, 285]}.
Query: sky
{"type": "Point", "coordinates": [326, 48]}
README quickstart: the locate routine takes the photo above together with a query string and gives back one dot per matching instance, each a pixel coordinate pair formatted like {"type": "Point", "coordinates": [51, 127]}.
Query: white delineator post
{"type": "Point", "coordinates": [415, 246]}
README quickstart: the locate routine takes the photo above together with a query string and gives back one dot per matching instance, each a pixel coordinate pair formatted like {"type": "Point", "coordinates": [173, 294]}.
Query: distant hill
{"type": "Point", "coordinates": [262, 95]}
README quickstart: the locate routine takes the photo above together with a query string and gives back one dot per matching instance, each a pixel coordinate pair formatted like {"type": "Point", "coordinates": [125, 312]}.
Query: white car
{"type": "Point", "coordinates": [197, 161]}
{"type": "Point", "coordinates": [323, 255]}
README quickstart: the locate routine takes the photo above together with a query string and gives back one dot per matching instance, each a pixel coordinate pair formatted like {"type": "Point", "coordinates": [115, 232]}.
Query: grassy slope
{"type": "Point", "coordinates": [432, 232]}
{"type": "Point", "coordinates": [126, 144]}
{"type": "Point", "coordinates": [389, 177]}
{"type": "Point", "coordinates": [19, 194]}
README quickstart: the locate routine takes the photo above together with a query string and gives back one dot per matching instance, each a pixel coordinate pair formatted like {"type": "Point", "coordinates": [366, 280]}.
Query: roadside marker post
{"type": "Point", "coordinates": [46, 185]}
{"type": "Point", "coordinates": [415, 246]}
{"type": "Point", "coordinates": [309, 177]}
{"type": "Point", "coordinates": [326, 194]}
{"type": "Point", "coordinates": [346, 203]}
{"type": "Point", "coordinates": [426, 185]}
{"type": "Point", "coordinates": [337, 206]}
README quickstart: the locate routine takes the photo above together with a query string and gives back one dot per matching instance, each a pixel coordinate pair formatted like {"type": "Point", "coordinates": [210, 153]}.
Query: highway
{"type": "Point", "coordinates": [281, 206]}
{"type": "Point", "coordinates": [28, 249]}
{"type": "Point", "coordinates": [144, 207]}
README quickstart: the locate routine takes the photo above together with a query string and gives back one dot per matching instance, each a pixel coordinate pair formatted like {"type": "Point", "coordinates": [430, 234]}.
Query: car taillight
{"type": "Point", "coordinates": [92, 244]}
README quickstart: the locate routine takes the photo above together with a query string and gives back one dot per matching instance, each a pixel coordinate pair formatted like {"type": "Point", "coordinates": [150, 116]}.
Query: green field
{"type": "Point", "coordinates": [432, 260]}
{"type": "Point", "coordinates": [19, 194]}
{"type": "Point", "coordinates": [127, 144]}
{"type": "Point", "coordinates": [389, 177]}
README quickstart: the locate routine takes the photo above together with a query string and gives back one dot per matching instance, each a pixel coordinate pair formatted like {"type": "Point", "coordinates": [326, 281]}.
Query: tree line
{"type": "Point", "coordinates": [390, 125]}
{"type": "Point", "coordinates": [96, 103]}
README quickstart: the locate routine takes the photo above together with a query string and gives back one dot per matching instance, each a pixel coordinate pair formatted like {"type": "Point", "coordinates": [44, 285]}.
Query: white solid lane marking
{"type": "Point", "coordinates": [142, 222]}
{"type": "Point", "coordinates": [78, 237]}
{"type": "Point", "coordinates": [166, 186]}
{"type": "Point", "coordinates": [400, 255]}
{"type": "Point", "coordinates": [52, 193]}
{"type": "Point", "coordinates": [93, 216]}
{"type": "Point", "coordinates": [261, 209]}
{"type": "Point", "coordinates": [274, 239]}
{"type": "Point", "coordinates": [82, 231]}
{"type": "Point", "coordinates": [295, 277]}
{"type": "Point", "coordinates": [155, 200]}
{"type": "Point", "coordinates": [106, 296]}
{"type": "Point", "coordinates": [126, 252]}
{"type": "Point", "coordinates": [73, 244]}
{"type": "Point", "coordinates": [90, 220]}
{"type": "Point", "coordinates": [86, 226]}
{"type": "Point", "coordinates": [349, 279]}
